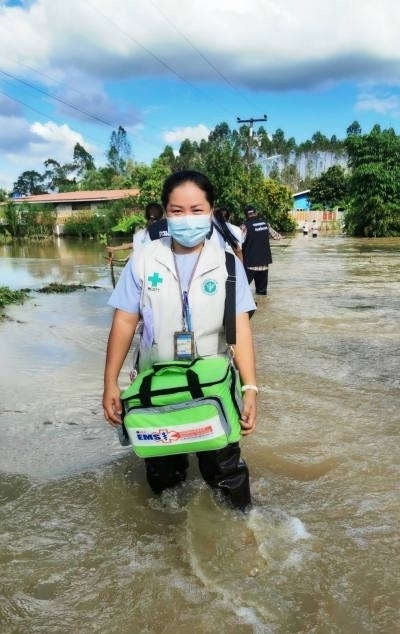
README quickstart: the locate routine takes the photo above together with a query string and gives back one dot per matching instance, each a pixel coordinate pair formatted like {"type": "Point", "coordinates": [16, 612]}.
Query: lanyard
{"type": "Point", "coordinates": [184, 295]}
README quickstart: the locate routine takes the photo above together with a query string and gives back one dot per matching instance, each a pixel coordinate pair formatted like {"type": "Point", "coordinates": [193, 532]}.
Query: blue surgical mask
{"type": "Point", "coordinates": [189, 230]}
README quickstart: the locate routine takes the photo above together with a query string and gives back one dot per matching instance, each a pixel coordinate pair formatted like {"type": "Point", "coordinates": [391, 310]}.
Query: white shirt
{"type": "Point", "coordinates": [140, 238]}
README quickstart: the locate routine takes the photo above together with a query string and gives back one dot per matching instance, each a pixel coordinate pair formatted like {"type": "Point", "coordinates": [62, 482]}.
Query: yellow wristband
{"type": "Point", "coordinates": [250, 387]}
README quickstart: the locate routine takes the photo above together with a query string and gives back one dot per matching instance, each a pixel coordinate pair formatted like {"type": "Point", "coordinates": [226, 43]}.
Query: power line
{"type": "Point", "coordinates": [63, 101]}
{"type": "Point", "coordinates": [43, 115]}
{"type": "Point", "coordinates": [156, 57]}
{"type": "Point", "coordinates": [129, 36]}
{"type": "Point", "coordinates": [48, 77]}
{"type": "Point", "coordinates": [23, 104]}
{"type": "Point", "coordinates": [197, 50]}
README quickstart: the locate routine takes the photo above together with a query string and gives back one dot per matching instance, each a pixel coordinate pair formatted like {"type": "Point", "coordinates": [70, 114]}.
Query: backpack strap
{"type": "Point", "coordinates": [230, 300]}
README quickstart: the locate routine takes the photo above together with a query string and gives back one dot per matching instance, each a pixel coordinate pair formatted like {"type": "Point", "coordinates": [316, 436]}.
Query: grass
{"type": "Point", "coordinates": [7, 296]}
{"type": "Point", "coordinates": [54, 287]}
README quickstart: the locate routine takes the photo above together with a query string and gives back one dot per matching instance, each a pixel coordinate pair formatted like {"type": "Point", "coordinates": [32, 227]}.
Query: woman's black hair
{"type": "Point", "coordinates": [220, 215]}
{"type": "Point", "coordinates": [179, 178]}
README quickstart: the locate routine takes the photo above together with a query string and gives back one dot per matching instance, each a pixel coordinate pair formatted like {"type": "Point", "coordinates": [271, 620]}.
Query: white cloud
{"type": "Point", "coordinates": [51, 134]}
{"type": "Point", "coordinates": [249, 42]}
{"type": "Point", "coordinates": [386, 105]}
{"type": "Point", "coordinates": [196, 133]}
{"type": "Point", "coordinates": [38, 142]}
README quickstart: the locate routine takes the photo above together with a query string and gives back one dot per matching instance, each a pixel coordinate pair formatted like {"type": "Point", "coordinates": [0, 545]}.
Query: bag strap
{"type": "Point", "coordinates": [218, 228]}
{"type": "Point", "coordinates": [230, 300]}
{"type": "Point", "coordinates": [145, 389]}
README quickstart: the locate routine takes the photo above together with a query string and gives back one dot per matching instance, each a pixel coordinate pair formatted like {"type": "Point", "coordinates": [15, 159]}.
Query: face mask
{"type": "Point", "coordinates": [189, 230]}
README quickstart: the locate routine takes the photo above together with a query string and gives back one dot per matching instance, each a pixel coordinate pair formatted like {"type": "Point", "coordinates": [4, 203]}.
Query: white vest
{"type": "Point", "coordinates": [161, 304]}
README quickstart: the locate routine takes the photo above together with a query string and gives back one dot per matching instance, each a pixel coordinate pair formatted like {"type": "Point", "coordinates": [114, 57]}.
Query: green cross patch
{"type": "Point", "coordinates": [155, 279]}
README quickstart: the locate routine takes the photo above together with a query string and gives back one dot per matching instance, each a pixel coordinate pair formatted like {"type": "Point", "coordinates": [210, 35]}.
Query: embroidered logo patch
{"type": "Point", "coordinates": [154, 280]}
{"type": "Point", "coordinates": [209, 287]}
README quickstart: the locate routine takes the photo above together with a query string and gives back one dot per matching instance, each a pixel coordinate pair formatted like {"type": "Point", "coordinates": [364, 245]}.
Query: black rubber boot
{"type": "Point", "coordinates": [227, 473]}
{"type": "Point", "coordinates": [261, 281]}
{"type": "Point", "coordinates": [166, 472]}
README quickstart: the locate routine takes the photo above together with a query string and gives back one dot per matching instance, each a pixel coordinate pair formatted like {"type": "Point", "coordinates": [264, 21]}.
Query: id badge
{"type": "Point", "coordinates": [184, 346]}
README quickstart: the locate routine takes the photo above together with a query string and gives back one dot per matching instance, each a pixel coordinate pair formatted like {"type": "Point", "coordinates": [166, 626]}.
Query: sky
{"type": "Point", "coordinates": [166, 70]}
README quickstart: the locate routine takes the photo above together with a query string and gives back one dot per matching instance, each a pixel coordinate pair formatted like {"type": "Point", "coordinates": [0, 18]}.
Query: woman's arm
{"type": "Point", "coordinates": [120, 338]}
{"type": "Point", "coordinates": [245, 362]}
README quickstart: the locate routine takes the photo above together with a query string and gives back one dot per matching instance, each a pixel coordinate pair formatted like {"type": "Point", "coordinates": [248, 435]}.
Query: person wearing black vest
{"type": "Point", "coordinates": [158, 229]}
{"type": "Point", "coordinates": [256, 250]}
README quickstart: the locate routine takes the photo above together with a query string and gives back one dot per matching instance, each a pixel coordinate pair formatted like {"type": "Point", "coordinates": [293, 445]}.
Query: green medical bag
{"type": "Point", "coordinates": [183, 407]}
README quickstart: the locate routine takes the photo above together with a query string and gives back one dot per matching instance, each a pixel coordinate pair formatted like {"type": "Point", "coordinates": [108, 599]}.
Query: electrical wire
{"type": "Point", "coordinates": [63, 101]}
{"type": "Point", "coordinates": [160, 60]}
{"type": "Point", "coordinates": [201, 54]}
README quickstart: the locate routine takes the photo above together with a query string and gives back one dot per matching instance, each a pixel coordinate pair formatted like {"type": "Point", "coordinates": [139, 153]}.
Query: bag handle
{"type": "Point", "coordinates": [193, 384]}
{"type": "Point", "coordinates": [161, 367]}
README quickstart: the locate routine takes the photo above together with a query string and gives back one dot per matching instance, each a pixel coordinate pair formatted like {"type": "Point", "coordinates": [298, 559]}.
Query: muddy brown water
{"type": "Point", "coordinates": [86, 547]}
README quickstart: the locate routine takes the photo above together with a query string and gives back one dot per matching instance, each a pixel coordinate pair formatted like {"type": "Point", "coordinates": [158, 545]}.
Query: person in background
{"type": "Point", "coordinates": [305, 228]}
{"type": "Point", "coordinates": [181, 268]}
{"type": "Point", "coordinates": [228, 236]}
{"type": "Point", "coordinates": [159, 229]}
{"type": "Point", "coordinates": [314, 229]}
{"type": "Point", "coordinates": [256, 249]}
{"type": "Point", "coordinates": [152, 213]}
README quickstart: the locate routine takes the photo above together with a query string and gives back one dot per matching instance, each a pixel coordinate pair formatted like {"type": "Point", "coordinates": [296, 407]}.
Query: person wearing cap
{"type": "Point", "coordinates": [256, 249]}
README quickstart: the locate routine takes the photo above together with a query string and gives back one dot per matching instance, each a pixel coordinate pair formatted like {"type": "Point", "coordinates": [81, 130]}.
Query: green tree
{"type": "Point", "coordinates": [57, 178]}
{"type": "Point", "coordinates": [119, 151]}
{"type": "Point", "coordinates": [330, 189]}
{"type": "Point", "coordinates": [188, 156]}
{"type": "Point", "coordinates": [278, 202]}
{"type": "Point", "coordinates": [12, 216]}
{"type": "Point", "coordinates": [223, 163]}
{"type": "Point", "coordinates": [83, 161]}
{"type": "Point", "coordinates": [101, 178]}
{"type": "Point", "coordinates": [354, 129]}
{"type": "Point", "coordinates": [279, 143]}
{"type": "Point", "coordinates": [29, 183]}
{"type": "Point", "coordinates": [288, 176]}
{"type": "Point", "coordinates": [374, 183]}
{"type": "Point", "coordinates": [150, 181]}
{"type": "Point", "coordinates": [168, 158]}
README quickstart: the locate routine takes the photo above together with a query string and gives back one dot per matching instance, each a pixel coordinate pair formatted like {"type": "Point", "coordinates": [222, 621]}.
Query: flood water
{"type": "Point", "coordinates": [86, 547]}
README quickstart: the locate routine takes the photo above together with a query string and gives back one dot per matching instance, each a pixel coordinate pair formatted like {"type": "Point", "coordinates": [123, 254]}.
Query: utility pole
{"type": "Point", "coordinates": [250, 121]}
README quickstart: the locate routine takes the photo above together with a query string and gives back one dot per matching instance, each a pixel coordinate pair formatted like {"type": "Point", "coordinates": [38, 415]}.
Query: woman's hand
{"type": "Point", "coordinates": [112, 405]}
{"type": "Point", "coordinates": [119, 340]}
{"type": "Point", "coordinates": [249, 412]}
